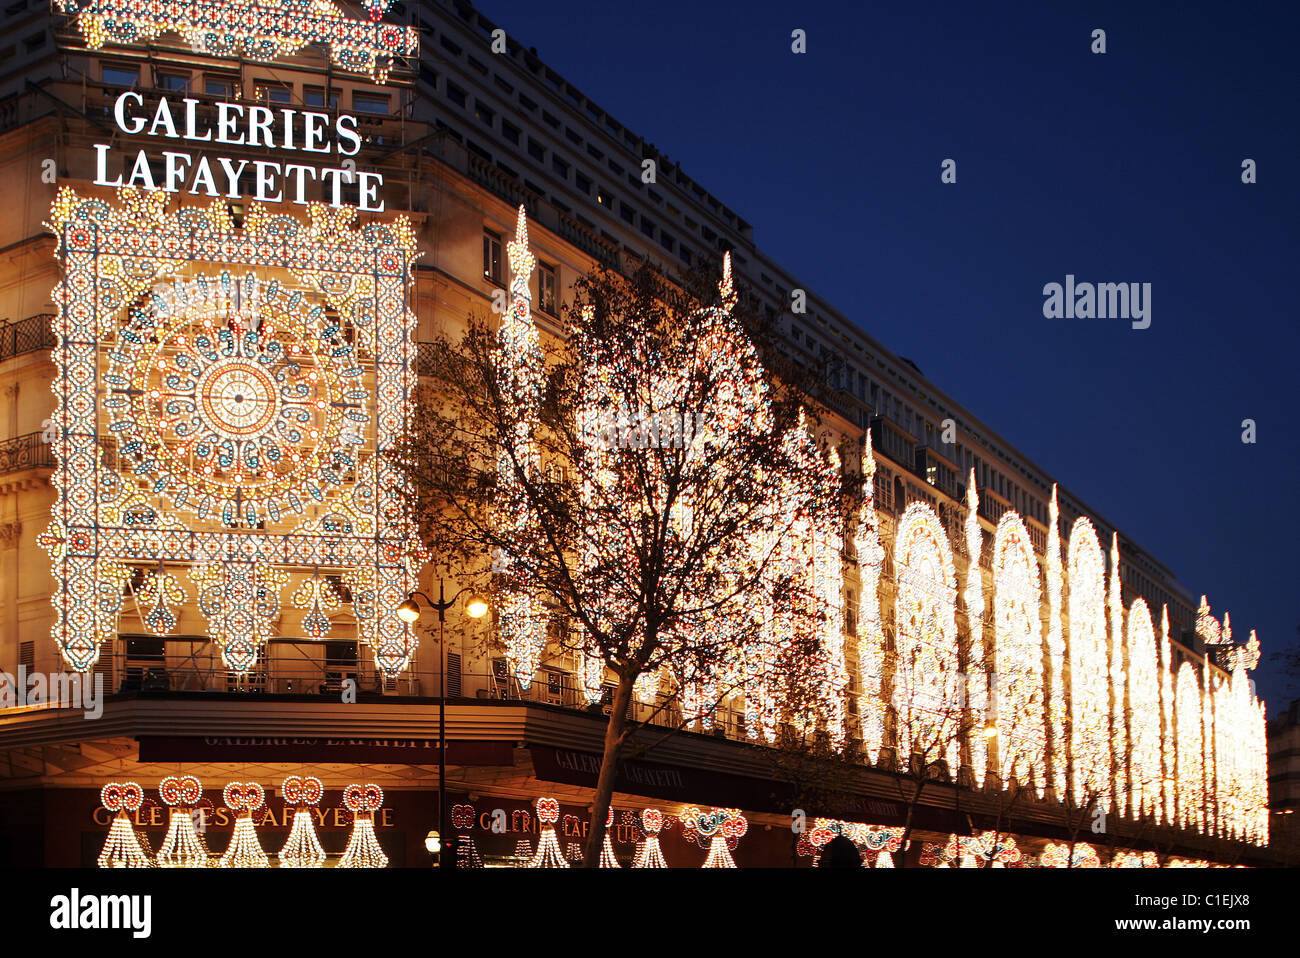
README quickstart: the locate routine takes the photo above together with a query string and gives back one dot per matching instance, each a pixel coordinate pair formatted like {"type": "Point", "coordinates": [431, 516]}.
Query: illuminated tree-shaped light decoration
{"type": "Point", "coordinates": [1145, 777]}
{"type": "Point", "coordinates": [363, 849]}
{"type": "Point", "coordinates": [1018, 693]}
{"type": "Point", "coordinates": [122, 847]}
{"type": "Point", "coordinates": [722, 828]}
{"type": "Point", "coordinates": [182, 847]}
{"type": "Point", "coordinates": [1089, 675]}
{"type": "Point", "coordinates": [467, 853]}
{"type": "Point", "coordinates": [521, 368]}
{"type": "Point", "coordinates": [244, 850]}
{"type": "Point", "coordinates": [607, 857]}
{"type": "Point", "coordinates": [548, 845]}
{"type": "Point", "coordinates": [650, 855]}
{"type": "Point", "coordinates": [302, 849]}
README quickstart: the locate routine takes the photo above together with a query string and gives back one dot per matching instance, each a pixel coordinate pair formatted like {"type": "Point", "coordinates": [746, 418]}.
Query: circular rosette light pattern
{"type": "Point", "coordinates": [236, 401]}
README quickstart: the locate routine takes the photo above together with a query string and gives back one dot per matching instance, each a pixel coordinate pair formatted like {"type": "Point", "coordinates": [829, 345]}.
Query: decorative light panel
{"type": "Point", "coordinates": [122, 848]}
{"type": "Point", "coordinates": [1089, 674]}
{"type": "Point", "coordinates": [1144, 771]}
{"type": "Point", "coordinates": [363, 850]}
{"type": "Point", "coordinates": [1018, 643]}
{"type": "Point", "coordinates": [182, 847]}
{"type": "Point", "coordinates": [262, 30]}
{"type": "Point", "coordinates": [237, 425]}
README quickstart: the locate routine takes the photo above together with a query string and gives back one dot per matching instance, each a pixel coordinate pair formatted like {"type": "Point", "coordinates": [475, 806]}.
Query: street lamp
{"type": "Point", "coordinates": [476, 606]}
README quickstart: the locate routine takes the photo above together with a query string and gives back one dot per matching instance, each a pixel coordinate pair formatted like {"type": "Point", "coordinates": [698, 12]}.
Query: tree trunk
{"type": "Point", "coordinates": [608, 769]}
{"type": "Point", "coordinates": [907, 822]}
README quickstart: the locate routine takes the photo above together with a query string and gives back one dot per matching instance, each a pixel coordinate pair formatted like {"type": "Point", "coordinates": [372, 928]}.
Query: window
{"type": "Point", "coordinates": [34, 42]}
{"type": "Point", "coordinates": [120, 76]}
{"type": "Point", "coordinates": [510, 132]}
{"type": "Point", "coordinates": [176, 82]}
{"type": "Point", "coordinates": [666, 241]}
{"type": "Point", "coordinates": [277, 93]}
{"type": "Point", "coordinates": [536, 150]}
{"type": "Point", "coordinates": [223, 87]}
{"type": "Point", "coordinates": [582, 183]}
{"type": "Point", "coordinates": [455, 94]}
{"type": "Point", "coordinates": [602, 197]}
{"type": "Point", "coordinates": [526, 103]}
{"type": "Point", "coordinates": [647, 227]}
{"type": "Point", "coordinates": [628, 214]}
{"type": "Point", "coordinates": [370, 103]}
{"type": "Point", "coordinates": [559, 166]}
{"type": "Point", "coordinates": [315, 96]}
{"type": "Point", "coordinates": [484, 112]}
{"type": "Point", "coordinates": [546, 289]}
{"type": "Point", "coordinates": [684, 254]}
{"type": "Point", "coordinates": [551, 121]}
{"type": "Point", "coordinates": [492, 256]}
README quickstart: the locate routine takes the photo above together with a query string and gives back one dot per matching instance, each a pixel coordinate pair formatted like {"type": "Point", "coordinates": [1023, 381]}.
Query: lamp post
{"type": "Point", "coordinates": [409, 612]}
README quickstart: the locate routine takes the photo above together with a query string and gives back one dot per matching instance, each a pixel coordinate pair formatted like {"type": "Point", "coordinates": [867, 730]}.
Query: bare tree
{"type": "Point", "coordinates": [645, 478]}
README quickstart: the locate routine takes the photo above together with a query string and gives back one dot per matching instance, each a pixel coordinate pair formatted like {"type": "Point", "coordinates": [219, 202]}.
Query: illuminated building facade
{"type": "Point", "coordinates": [231, 239]}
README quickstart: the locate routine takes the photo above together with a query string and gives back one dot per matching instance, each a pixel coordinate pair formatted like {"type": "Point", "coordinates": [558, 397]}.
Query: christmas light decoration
{"type": "Point", "coordinates": [976, 684]}
{"type": "Point", "coordinates": [122, 847]}
{"type": "Point", "coordinates": [1191, 761]}
{"type": "Point", "coordinates": [722, 828]}
{"type": "Point", "coordinates": [1168, 740]}
{"type": "Point", "coordinates": [319, 599]}
{"type": "Point", "coordinates": [1089, 673]}
{"type": "Point", "coordinates": [1057, 699]}
{"type": "Point", "coordinates": [182, 847]}
{"type": "Point", "coordinates": [521, 368]}
{"type": "Point", "coordinates": [650, 855]}
{"type": "Point", "coordinates": [1018, 693]}
{"type": "Point", "coordinates": [548, 846]}
{"type": "Point", "coordinates": [244, 850]}
{"type": "Point", "coordinates": [607, 857]}
{"type": "Point", "coordinates": [363, 849]}
{"type": "Point", "coordinates": [467, 853]}
{"type": "Point", "coordinates": [1144, 774]}
{"type": "Point", "coordinates": [302, 849]}
{"type": "Point", "coordinates": [927, 678]}
{"type": "Point", "coordinates": [1057, 855]}
{"type": "Point", "coordinates": [1130, 859]}
{"type": "Point", "coordinates": [237, 425]}
{"type": "Point", "coordinates": [1118, 737]}
{"type": "Point", "coordinates": [261, 30]}
{"type": "Point", "coordinates": [871, 634]}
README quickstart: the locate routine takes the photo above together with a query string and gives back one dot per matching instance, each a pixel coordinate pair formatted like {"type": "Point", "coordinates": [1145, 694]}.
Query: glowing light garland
{"type": "Point", "coordinates": [607, 857]}
{"type": "Point", "coordinates": [1130, 859]}
{"type": "Point", "coordinates": [363, 850]}
{"type": "Point", "coordinates": [1058, 702]}
{"type": "Point", "coordinates": [182, 847]}
{"type": "Point", "coordinates": [871, 633]}
{"type": "Point", "coordinates": [1191, 761]}
{"type": "Point", "coordinates": [1143, 707]}
{"type": "Point", "coordinates": [1018, 692]}
{"type": "Point", "coordinates": [1089, 674]}
{"type": "Point", "coordinates": [319, 599]}
{"type": "Point", "coordinates": [927, 677]}
{"type": "Point", "coordinates": [1057, 855]}
{"type": "Point", "coordinates": [262, 30]}
{"type": "Point", "coordinates": [1168, 739]}
{"type": "Point", "coordinates": [302, 849]}
{"type": "Point", "coordinates": [548, 853]}
{"type": "Point", "coordinates": [521, 367]}
{"type": "Point", "coordinates": [721, 827]}
{"type": "Point", "coordinates": [977, 691]}
{"type": "Point", "coordinates": [650, 855]}
{"type": "Point", "coordinates": [226, 423]}
{"type": "Point", "coordinates": [122, 847]}
{"type": "Point", "coordinates": [244, 850]}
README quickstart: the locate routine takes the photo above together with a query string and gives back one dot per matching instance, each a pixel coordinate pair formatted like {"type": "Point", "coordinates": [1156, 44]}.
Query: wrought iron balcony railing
{"type": "Point", "coordinates": [26, 336]}
{"type": "Point", "coordinates": [25, 452]}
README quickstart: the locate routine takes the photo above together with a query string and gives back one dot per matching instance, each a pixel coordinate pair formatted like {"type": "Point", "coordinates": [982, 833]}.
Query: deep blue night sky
{"type": "Point", "coordinates": [1122, 167]}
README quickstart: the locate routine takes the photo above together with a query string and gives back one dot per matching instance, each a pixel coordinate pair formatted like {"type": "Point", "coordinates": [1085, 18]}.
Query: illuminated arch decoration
{"type": "Point", "coordinates": [1191, 760]}
{"type": "Point", "coordinates": [721, 829]}
{"type": "Point", "coordinates": [976, 672]}
{"type": "Point", "coordinates": [1057, 699]}
{"type": "Point", "coordinates": [1018, 692]}
{"type": "Point", "coordinates": [1144, 773]}
{"type": "Point", "coordinates": [1089, 673]}
{"type": "Point", "coordinates": [871, 634]}
{"type": "Point", "coordinates": [240, 426]}
{"type": "Point", "coordinates": [250, 29]}
{"type": "Point", "coordinates": [926, 699]}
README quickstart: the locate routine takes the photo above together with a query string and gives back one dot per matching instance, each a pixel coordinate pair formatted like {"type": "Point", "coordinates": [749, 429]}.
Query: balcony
{"type": "Point", "coordinates": [25, 452]}
{"type": "Point", "coordinates": [26, 336]}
